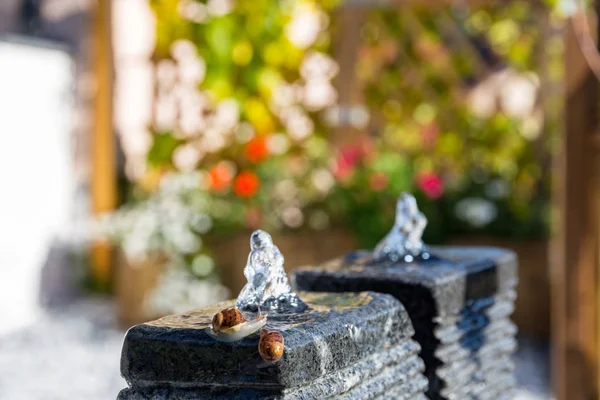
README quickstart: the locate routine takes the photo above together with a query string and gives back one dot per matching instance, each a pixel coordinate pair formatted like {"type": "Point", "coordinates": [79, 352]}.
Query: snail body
{"type": "Point", "coordinates": [229, 325]}
{"type": "Point", "coordinates": [271, 345]}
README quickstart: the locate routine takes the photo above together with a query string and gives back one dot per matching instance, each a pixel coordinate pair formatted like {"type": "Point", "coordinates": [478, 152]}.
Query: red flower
{"type": "Point", "coordinates": [220, 176]}
{"type": "Point", "coordinates": [378, 181]}
{"type": "Point", "coordinates": [346, 161]}
{"type": "Point", "coordinates": [256, 150]}
{"type": "Point", "coordinates": [246, 184]}
{"type": "Point", "coordinates": [430, 184]}
{"type": "Point", "coordinates": [350, 156]}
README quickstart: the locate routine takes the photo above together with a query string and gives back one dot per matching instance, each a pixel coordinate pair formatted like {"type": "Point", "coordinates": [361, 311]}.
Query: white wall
{"type": "Point", "coordinates": [36, 175]}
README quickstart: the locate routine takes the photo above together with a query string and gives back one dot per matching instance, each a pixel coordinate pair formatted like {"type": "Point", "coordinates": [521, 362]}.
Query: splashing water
{"type": "Point", "coordinates": [404, 242]}
{"type": "Point", "coordinates": [267, 288]}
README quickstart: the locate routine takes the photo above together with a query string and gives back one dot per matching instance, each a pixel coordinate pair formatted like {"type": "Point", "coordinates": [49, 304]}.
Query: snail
{"type": "Point", "coordinates": [230, 325]}
{"type": "Point", "coordinates": [226, 319]}
{"type": "Point", "coordinates": [271, 345]}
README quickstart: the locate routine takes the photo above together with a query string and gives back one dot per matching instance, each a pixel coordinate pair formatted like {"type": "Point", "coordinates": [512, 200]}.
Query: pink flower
{"type": "Point", "coordinates": [347, 159]}
{"type": "Point", "coordinates": [430, 184]}
{"type": "Point", "coordinates": [351, 155]}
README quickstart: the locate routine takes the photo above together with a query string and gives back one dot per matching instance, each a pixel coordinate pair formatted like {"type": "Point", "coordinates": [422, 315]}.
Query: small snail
{"type": "Point", "coordinates": [271, 345]}
{"type": "Point", "coordinates": [226, 319]}
{"type": "Point", "coordinates": [230, 325]}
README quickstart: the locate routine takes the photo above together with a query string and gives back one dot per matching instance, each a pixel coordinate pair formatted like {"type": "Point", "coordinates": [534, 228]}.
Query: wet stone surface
{"type": "Point", "coordinates": [459, 301]}
{"type": "Point", "coordinates": [343, 346]}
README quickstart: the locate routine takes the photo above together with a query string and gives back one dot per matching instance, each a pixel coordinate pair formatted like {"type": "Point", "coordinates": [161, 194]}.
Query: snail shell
{"type": "Point", "coordinates": [230, 325]}
{"type": "Point", "coordinates": [226, 319]}
{"type": "Point", "coordinates": [271, 345]}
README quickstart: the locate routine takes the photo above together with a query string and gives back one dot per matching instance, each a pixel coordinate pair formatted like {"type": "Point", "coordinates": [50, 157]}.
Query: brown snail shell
{"type": "Point", "coordinates": [230, 325]}
{"type": "Point", "coordinates": [271, 345]}
{"type": "Point", "coordinates": [226, 319]}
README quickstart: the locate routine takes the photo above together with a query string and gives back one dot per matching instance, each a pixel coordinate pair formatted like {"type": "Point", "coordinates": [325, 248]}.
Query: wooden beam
{"type": "Point", "coordinates": [427, 3]}
{"type": "Point", "coordinates": [347, 43]}
{"type": "Point", "coordinates": [103, 154]}
{"type": "Point", "coordinates": [575, 277]}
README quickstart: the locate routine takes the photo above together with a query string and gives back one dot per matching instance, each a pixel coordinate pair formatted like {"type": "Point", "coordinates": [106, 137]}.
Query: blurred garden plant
{"type": "Point", "coordinates": [458, 94]}
{"type": "Point", "coordinates": [240, 87]}
{"type": "Point", "coordinates": [454, 100]}
{"type": "Point", "coordinates": [238, 139]}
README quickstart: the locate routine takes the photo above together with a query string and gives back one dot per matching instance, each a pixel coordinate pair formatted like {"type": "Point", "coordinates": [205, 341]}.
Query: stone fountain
{"type": "Point", "coordinates": [272, 343]}
{"type": "Point", "coordinates": [458, 298]}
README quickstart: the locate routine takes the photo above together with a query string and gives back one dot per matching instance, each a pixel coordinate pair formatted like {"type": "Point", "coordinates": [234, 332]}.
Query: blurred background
{"type": "Point", "coordinates": [143, 140]}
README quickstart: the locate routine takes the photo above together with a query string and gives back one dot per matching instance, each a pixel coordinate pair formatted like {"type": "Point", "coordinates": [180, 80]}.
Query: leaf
{"type": "Point", "coordinates": [162, 149]}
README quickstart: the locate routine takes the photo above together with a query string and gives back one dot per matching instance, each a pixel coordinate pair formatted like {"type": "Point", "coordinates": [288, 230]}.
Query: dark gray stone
{"type": "Point", "coordinates": [455, 277]}
{"type": "Point", "coordinates": [459, 302]}
{"type": "Point", "coordinates": [346, 346]}
{"type": "Point", "coordinates": [350, 384]}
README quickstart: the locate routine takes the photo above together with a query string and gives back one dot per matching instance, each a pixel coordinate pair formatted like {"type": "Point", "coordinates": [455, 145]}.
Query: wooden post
{"type": "Point", "coordinates": [350, 20]}
{"type": "Point", "coordinates": [103, 168]}
{"type": "Point", "coordinates": [575, 278]}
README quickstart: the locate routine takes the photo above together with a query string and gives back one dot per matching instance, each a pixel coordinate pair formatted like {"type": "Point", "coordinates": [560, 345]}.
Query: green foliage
{"type": "Point", "coordinates": [454, 97]}
{"type": "Point", "coordinates": [458, 94]}
{"type": "Point", "coordinates": [162, 149]}
{"type": "Point", "coordinates": [234, 79]}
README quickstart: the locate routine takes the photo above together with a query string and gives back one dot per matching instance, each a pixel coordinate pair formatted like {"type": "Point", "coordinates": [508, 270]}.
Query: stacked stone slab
{"type": "Point", "coordinates": [459, 300]}
{"type": "Point", "coordinates": [343, 346]}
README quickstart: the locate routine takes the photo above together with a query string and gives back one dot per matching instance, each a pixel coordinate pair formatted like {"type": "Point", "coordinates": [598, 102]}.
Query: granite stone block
{"type": "Point", "coordinates": [346, 346]}
{"type": "Point", "coordinates": [459, 299]}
